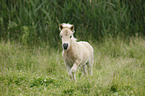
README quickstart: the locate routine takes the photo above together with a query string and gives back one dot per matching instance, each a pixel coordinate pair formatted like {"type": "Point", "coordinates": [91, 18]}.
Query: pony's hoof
{"type": "Point", "coordinates": [73, 71]}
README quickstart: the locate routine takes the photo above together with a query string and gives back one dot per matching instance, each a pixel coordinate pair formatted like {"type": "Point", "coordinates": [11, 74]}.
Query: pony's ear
{"type": "Point", "coordinates": [60, 27]}
{"type": "Point", "coordinates": [72, 28]}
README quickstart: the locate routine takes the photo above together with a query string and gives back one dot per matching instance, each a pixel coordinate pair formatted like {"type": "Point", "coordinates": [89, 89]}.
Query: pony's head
{"type": "Point", "coordinates": [66, 34]}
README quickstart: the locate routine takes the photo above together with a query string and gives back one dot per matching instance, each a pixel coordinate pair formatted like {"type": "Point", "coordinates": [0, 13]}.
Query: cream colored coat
{"type": "Point", "coordinates": [77, 54]}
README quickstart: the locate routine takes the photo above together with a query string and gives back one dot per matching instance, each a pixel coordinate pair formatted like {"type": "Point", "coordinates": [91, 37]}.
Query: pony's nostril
{"type": "Point", "coordinates": [65, 45]}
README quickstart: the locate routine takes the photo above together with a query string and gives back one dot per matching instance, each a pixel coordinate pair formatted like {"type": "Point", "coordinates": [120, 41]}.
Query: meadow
{"type": "Point", "coordinates": [39, 71]}
{"type": "Point", "coordinates": [31, 61]}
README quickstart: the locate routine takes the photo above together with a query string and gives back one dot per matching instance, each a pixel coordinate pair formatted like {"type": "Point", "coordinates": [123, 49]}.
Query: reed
{"type": "Point", "coordinates": [93, 20]}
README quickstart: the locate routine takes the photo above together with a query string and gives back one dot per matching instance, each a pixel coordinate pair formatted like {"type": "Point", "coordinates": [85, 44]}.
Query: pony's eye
{"type": "Point", "coordinates": [60, 36]}
{"type": "Point", "coordinates": [70, 36]}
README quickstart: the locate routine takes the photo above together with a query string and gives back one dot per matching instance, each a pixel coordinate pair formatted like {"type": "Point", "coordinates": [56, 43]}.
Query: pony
{"type": "Point", "coordinates": [75, 54]}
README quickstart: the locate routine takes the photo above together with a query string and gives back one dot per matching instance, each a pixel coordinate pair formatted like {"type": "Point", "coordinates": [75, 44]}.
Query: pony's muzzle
{"type": "Point", "coordinates": [65, 46]}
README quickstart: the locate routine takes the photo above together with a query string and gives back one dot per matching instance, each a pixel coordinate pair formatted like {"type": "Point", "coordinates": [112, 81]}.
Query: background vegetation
{"type": "Point", "coordinates": [35, 20]}
{"type": "Point", "coordinates": [30, 47]}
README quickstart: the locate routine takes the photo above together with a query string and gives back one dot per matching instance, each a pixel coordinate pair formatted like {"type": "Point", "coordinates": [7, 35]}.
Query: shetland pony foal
{"type": "Point", "coordinates": [75, 53]}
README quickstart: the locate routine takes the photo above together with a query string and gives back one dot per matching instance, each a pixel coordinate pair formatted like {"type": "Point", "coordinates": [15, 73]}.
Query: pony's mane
{"type": "Point", "coordinates": [66, 25]}
{"type": "Point", "coordinates": [75, 39]}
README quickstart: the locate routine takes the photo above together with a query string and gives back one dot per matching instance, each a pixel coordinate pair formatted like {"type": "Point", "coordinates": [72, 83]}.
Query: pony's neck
{"type": "Point", "coordinates": [73, 42]}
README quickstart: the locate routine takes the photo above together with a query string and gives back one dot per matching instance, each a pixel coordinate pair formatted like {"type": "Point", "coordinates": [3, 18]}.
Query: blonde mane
{"type": "Point", "coordinates": [75, 39]}
{"type": "Point", "coordinates": [66, 25]}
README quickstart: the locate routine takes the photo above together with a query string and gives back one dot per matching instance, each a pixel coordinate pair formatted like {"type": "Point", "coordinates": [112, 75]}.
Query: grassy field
{"type": "Point", "coordinates": [30, 48]}
{"type": "Point", "coordinates": [119, 69]}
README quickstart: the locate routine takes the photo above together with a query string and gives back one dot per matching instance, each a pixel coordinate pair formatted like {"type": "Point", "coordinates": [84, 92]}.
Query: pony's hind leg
{"type": "Point", "coordinates": [83, 69]}
{"type": "Point", "coordinates": [90, 66]}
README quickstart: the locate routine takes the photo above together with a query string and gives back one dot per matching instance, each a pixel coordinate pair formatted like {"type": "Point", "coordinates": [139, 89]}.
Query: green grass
{"type": "Point", "coordinates": [31, 71]}
{"type": "Point", "coordinates": [30, 48]}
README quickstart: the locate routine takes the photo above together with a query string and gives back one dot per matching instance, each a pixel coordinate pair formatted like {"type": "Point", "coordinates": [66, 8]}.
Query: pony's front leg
{"type": "Point", "coordinates": [69, 71]}
{"type": "Point", "coordinates": [71, 74]}
{"type": "Point", "coordinates": [73, 71]}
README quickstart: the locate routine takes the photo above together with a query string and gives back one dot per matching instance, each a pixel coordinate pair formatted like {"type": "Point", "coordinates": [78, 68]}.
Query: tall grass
{"type": "Point", "coordinates": [118, 70]}
{"type": "Point", "coordinates": [95, 19]}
